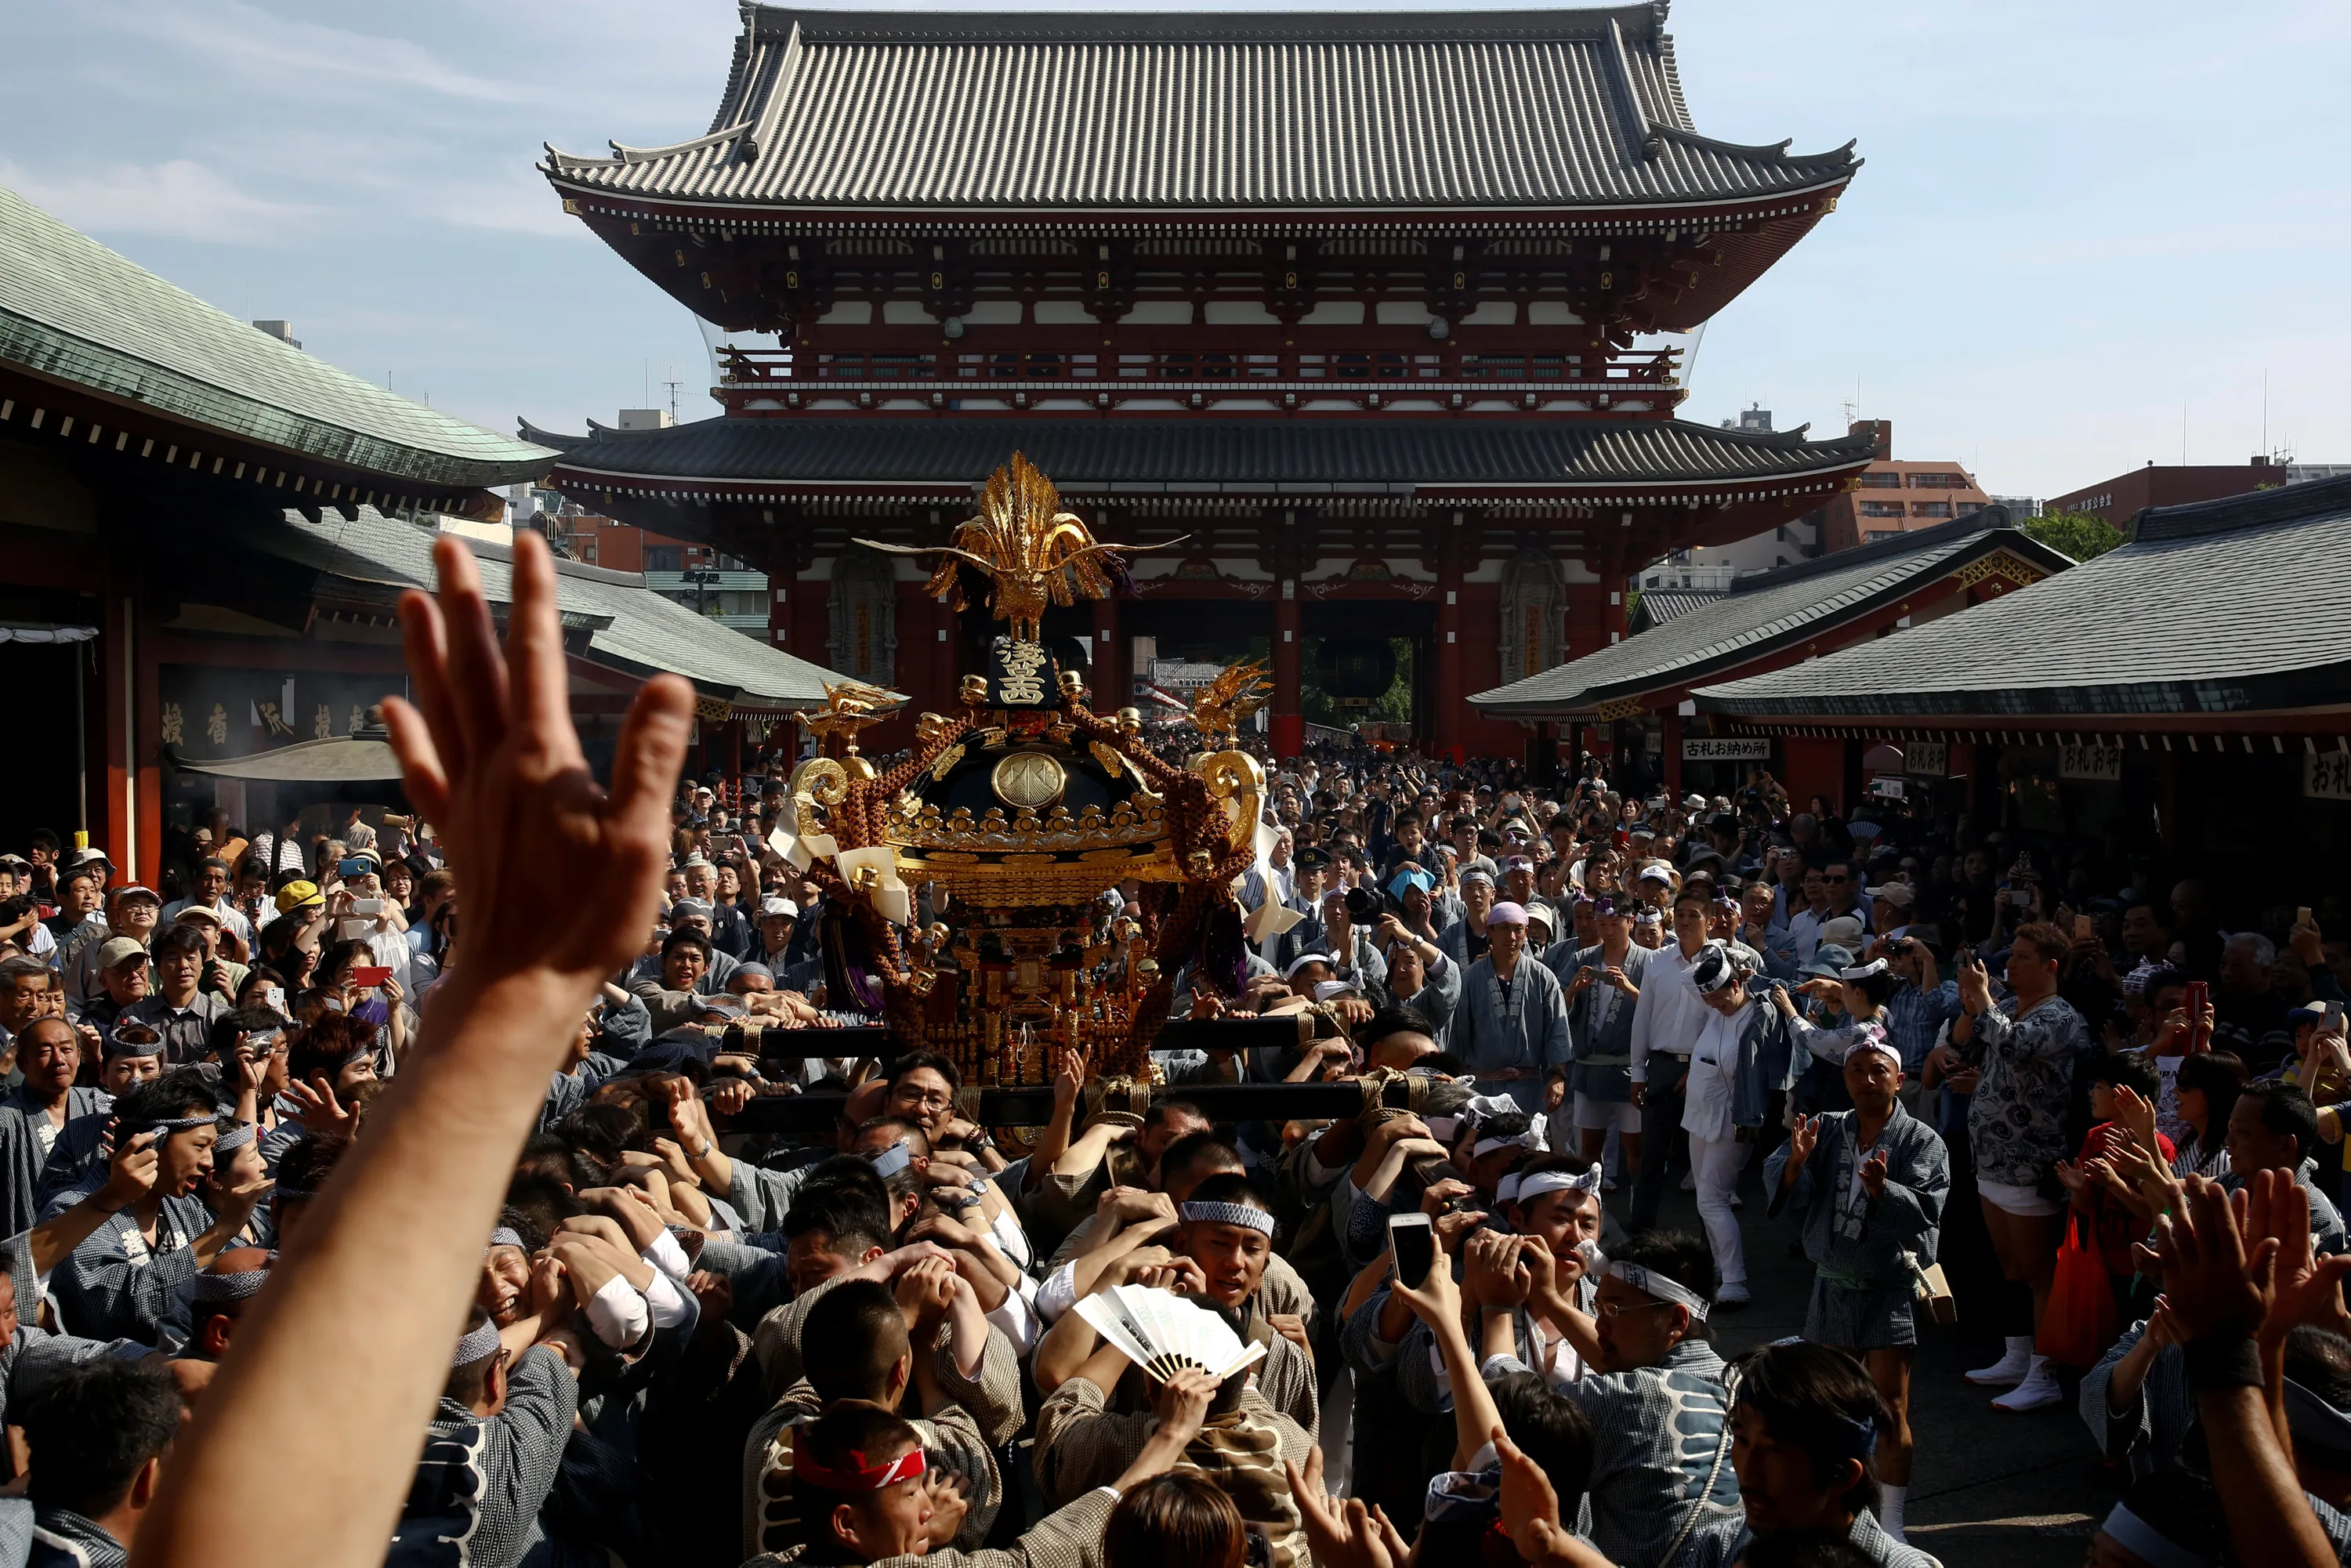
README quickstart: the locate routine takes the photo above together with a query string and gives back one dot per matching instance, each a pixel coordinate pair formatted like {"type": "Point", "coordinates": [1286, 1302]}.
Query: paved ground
{"type": "Point", "coordinates": [1990, 1489]}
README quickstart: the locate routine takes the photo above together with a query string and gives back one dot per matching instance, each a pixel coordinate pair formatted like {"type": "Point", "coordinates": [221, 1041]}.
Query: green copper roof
{"type": "Point", "coordinates": [74, 311]}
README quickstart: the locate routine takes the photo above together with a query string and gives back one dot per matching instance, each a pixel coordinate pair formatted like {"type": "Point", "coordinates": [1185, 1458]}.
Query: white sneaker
{"type": "Point", "coordinates": [1737, 1202]}
{"type": "Point", "coordinates": [2037, 1391]}
{"type": "Point", "coordinates": [1690, 1182]}
{"type": "Point", "coordinates": [1732, 1293]}
{"type": "Point", "coordinates": [2008, 1370]}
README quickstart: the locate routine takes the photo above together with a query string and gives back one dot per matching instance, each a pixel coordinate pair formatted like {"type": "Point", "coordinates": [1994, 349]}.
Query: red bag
{"type": "Point", "coordinates": [2081, 1321]}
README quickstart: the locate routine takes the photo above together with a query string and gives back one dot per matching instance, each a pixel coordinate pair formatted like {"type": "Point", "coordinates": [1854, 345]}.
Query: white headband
{"type": "Point", "coordinates": [2143, 1541]}
{"type": "Point", "coordinates": [1863, 971]}
{"type": "Point", "coordinates": [1239, 1213]}
{"type": "Point", "coordinates": [1655, 1284]}
{"type": "Point", "coordinates": [1534, 1187]}
{"type": "Point", "coordinates": [1531, 1138]}
{"type": "Point", "coordinates": [1507, 1189]}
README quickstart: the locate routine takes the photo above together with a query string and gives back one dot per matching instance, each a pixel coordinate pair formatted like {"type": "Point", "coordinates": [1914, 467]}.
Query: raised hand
{"type": "Point", "coordinates": [561, 878]}
{"type": "Point", "coordinates": [2216, 1285]}
{"type": "Point", "coordinates": [1873, 1174]}
{"type": "Point", "coordinates": [131, 1173]}
{"type": "Point", "coordinates": [315, 1107]}
{"type": "Point", "coordinates": [1802, 1139]}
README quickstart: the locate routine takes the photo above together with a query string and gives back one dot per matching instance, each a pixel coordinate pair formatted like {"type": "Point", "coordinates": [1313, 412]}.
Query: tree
{"type": "Point", "coordinates": [2076, 534]}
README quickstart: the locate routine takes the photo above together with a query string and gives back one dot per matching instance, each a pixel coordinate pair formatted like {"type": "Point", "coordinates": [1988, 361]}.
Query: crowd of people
{"type": "Point", "coordinates": [400, 1188]}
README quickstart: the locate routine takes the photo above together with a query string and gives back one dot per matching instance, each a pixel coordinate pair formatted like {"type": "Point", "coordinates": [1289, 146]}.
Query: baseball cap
{"type": "Point", "coordinates": [197, 912]}
{"type": "Point", "coordinates": [117, 950]}
{"type": "Point", "coordinates": [1900, 894]}
{"type": "Point", "coordinates": [1845, 931]}
{"type": "Point", "coordinates": [691, 906]}
{"type": "Point", "coordinates": [299, 894]}
{"type": "Point", "coordinates": [91, 856]}
{"type": "Point", "coordinates": [129, 891]}
{"type": "Point", "coordinates": [772, 907]}
{"type": "Point", "coordinates": [13, 859]}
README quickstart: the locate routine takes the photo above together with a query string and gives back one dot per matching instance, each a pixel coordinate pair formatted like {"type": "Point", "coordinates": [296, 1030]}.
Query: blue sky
{"type": "Point", "coordinates": [2078, 222]}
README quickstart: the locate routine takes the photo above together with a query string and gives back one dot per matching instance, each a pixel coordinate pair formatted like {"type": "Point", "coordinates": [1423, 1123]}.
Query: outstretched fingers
{"type": "Point", "coordinates": [424, 642]}
{"type": "Point", "coordinates": [424, 775]}
{"type": "Point", "coordinates": [648, 756]}
{"type": "Point", "coordinates": [478, 670]}
{"type": "Point", "coordinates": [537, 680]}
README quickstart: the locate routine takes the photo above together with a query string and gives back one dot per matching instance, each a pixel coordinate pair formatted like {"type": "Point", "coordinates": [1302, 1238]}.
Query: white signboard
{"type": "Point", "coordinates": [2089, 759]}
{"type": "Point", "coordinates": [2326, 775]}
{"type": "Point", "coordinates": [1183, 674]}
{"type": "Point", "coordinates": [1711, 749]}
{"type": "Point", "coordinates": [1927, 759]}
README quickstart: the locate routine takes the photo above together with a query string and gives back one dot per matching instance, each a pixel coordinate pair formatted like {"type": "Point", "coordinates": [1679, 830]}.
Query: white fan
{"type": "Point", "coordinates": [1164, 1332]}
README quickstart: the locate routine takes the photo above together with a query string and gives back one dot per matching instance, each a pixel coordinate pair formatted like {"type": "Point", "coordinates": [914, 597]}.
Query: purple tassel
{"type": "Point", "coordinates": [1122, 581]}
{"type": "Point", "coordinates": [1224, 951]}
{"type": "Point", "coordinates": [846, 971]}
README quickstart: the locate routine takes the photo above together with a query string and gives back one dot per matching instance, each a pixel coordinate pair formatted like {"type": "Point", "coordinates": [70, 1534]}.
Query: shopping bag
{"type": "Point", "coordinates": [2080, 1322]}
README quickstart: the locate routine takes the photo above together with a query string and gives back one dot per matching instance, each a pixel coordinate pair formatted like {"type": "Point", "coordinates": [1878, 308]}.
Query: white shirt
{"type": "Point", "coordinates": [1669, 1013]}
{"type": "Point", "coordinates": [1713, 1076]}
{"type": "Point", "coordinates": [230, 916]}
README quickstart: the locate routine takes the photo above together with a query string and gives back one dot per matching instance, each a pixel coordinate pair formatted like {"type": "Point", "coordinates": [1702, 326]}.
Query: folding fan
{"type": "Point", "coordinates": [1164, 1332]}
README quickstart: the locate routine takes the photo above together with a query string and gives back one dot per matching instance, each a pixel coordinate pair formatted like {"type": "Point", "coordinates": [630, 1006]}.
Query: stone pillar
{"type": "Point", "coordinates": [1288, 732]}
{"type": "Point", "coordinates": [1108, 652]}
{"type": "Point", "coordinates": [1446, 729]}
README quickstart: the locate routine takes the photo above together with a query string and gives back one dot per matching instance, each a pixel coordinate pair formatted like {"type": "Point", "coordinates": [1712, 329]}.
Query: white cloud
{"type": "Point", "coordinates": [180, 198]}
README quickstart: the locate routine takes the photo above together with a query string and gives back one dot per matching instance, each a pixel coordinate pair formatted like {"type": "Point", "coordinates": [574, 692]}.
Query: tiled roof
{"type": "Point", "coordinates": [1124, 110]}
{"type": "Point", "coordinates": [74, 311]}
{"type": "Point", "coordinates": [1187, 454]}
{"type": "Point", "coordinates": [2229, 606]}
{"type": "Point", "coordinates": [1659, 605]}
{"type": "Point", "coordinates": [1763, 614]}
{"type": "Point", "coordinates": [629, 628]}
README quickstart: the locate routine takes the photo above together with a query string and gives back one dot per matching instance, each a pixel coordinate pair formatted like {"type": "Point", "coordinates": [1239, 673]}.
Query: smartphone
{"type": "Point", "coordinates": [2085, 926]}
{"type": "Point", "coordinates": [274, 996]}
{"type": "Point", "coordinates": [2198, 997]}
{"type": "Point", "coordinates": [1415, 1245]}
{"type": "Point", "coordinates": [2019, 896]}
{"type": "Point", "coordinates": [356, 866]}
{"type": "Point", "coordinates": [367, 977]}
{"type": "Point", "coordinates": [367, 906]}
{"type": "Point", "coordinates": [2334, 1018]}
{"type": "Point", "coordinates": [2301, 914]}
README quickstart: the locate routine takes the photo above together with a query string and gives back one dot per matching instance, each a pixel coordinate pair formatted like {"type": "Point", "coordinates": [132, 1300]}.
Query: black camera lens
{"type": "Point", "coordinates": [1363, 905]}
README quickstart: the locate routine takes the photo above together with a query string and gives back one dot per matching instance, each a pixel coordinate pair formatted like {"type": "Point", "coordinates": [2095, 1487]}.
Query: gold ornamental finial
{"type": "Point", "coordinates": [1224, 703]}
{"type": "Point", "coordinates": [1031, 551]}
{"type": "Point", "coordinates": [849, 708]}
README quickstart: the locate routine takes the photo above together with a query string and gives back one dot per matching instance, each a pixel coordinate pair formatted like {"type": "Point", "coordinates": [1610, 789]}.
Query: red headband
{"type": "Point", "coordinates": [864, 1477]}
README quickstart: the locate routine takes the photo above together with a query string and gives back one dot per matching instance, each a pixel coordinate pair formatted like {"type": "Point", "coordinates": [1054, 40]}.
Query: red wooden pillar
{"type": "Point", "coordinates": [117, 649]}
{"type": "Point", "coordinates": [1449, 695]}
{"type": "Point", "coordinates": [1110, 683]}
{"type": "Point", "coordinates": [1288, 724]}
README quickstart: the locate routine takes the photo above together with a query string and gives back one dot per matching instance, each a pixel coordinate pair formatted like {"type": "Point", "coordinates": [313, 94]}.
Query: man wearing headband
{"type": "Point", "coordinates": [1420, 975]}
{"type": "Point", "coordinates": [1511, 1026]}
{"type": "Point", "coordinates": [859, 1475]}
{"type": "Point", "coordinates": [216, 1299]}
{"type": "Point", "coordinates": [1223, 1236]}
{"type": "Point", "coordinates": [1741, 1055]}
{"type": "Point", "coordinates": [860, 1345]}
{"type": "Point", "coordinates": [1666, 1021]}
{"type": "Point", "coordinates": [1603, 987]}
{"type": "Point", "coordinates": [120, 1282]}
{"type": "Point", "coordinates": [493, 1448]}
{"type": "Point", "coordinates": [1655, 1395]}
{"type": "Point", "coordinates": [1873, 1181]}
{"type": "Point", "coordinates": [1803, 1431]}
{"type": "Point", "coordinates": [1463, 941]}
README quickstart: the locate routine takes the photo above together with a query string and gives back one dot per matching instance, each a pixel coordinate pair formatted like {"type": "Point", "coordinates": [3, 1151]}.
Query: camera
{"type": "Point", "coordinates": [1365, 905]}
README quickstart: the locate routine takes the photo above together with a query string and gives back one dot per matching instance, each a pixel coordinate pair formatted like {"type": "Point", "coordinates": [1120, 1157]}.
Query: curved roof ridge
{"type": "Point", "coordinates": [1840, 157]}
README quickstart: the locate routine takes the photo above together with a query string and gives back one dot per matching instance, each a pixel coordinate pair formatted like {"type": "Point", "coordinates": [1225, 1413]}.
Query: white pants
{"type": "Point", "coordinates": [1716, 1169]}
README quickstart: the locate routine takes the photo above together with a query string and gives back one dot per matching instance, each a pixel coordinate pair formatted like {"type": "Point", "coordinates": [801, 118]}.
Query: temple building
{"type": "Point", "coordinates": [207, 531]}
{"type": "Point", "coordinates": [1344, 311]}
